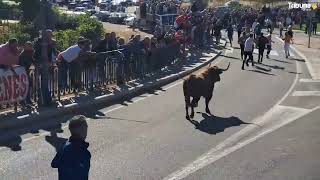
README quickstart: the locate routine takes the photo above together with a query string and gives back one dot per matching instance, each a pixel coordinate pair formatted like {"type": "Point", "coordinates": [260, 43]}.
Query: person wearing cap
{"type": "Point", "coordinates": [73, 159]}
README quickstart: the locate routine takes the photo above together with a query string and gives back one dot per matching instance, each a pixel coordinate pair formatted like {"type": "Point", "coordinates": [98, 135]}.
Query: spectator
{"type": "Point", "coordinates": [314, 26]}
{"type": "Point", "coordinates": [66, 58]}
{"type": "Point", "coordinates": [9, 54]}
{"type": "Point", "coordinates": [26, 60]}
{"type": "Point", "coordinates": [44, 50]}
{"type": "Point", "coordinates": [103, 44]}
{"type": "Point", "coordinates": [112, 43]}
{"type": "Point", "coordinates": [73, 160]}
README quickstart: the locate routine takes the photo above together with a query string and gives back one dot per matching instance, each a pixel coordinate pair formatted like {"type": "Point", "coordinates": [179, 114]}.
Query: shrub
{"type": "Point", "coordinates": [90, 28]}
{"type": "Point", "coordinates": [66, 38]}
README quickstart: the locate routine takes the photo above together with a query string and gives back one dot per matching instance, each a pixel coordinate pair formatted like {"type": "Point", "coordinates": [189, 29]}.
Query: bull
{"type": "Point", "coordinates": [201, 85]}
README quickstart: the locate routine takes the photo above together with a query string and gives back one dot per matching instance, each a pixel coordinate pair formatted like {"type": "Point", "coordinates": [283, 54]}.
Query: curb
{"type": "Point", "coordinates": [307, 61]}
{"type": "Point", "coordinates": [16, 122]}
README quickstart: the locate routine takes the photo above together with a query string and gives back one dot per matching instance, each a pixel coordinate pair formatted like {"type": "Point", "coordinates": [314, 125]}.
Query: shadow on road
{"type": "Point", "coordinates": [214, 124]}
{"type": "Point", "coordinates": [262, 72]}
{"type": "Point", "coordinates": [12, 137]}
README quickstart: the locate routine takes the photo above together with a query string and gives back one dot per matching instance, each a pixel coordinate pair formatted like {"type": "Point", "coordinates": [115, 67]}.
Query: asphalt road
{"type": "Point", "coordinates": [149, 138]}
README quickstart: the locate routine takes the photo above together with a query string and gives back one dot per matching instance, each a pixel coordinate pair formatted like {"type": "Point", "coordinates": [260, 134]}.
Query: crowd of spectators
{"type": "Point", "coordinates": [161, 7]}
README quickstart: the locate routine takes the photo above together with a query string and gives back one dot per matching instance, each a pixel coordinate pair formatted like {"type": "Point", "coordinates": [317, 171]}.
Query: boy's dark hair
{"type": "Point", "coordinates": [77, 122]}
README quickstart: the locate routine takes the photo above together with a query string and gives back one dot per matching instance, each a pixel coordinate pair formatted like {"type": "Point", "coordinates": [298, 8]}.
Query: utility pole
{"type": "Point", "coordinates": [44, 21]}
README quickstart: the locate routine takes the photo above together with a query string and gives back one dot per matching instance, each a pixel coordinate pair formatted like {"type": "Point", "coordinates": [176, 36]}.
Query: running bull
{"type": "Point", "coordinates": [199, 85]}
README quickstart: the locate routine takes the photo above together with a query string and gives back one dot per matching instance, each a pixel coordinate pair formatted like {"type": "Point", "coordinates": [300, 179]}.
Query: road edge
{"type": "Point", "coordinates": [307, 61]}
{"type": "Point", "coordinates": [18, 122]}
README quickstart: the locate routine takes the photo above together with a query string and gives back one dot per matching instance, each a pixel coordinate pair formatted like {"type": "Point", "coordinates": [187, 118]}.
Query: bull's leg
{"type": "Point", "coordinates": [194, 104]}
{"type": "Point", "coordinates": [207, 104]}
{"type": "Point", "coordinates": [187, 101]}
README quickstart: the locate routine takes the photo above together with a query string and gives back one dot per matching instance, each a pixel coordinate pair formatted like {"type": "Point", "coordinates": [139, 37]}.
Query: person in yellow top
{"type": "Point", "coordinates": [287, 40]}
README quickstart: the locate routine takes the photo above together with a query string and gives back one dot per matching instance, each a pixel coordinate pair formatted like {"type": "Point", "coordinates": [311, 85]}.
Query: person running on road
{"type": "Point", "coordinates": [287, 40]}
{"type": "Point", "coordinates": [241, 42]}
{"type": "Point", "coordinates": [248, 50]}
{"type": "Point", "coordinates": [280, 29]}
{"type": "Point", "coordinates": [230, 33]}
{"type": "Point", "coordinates": [239, 29]}
{"type": "Point", "coordinates": [269, 47]}
{"type": "Point", "coordinates": [257, 30]}
{"type": "Point", "coordinates": [261, 43]}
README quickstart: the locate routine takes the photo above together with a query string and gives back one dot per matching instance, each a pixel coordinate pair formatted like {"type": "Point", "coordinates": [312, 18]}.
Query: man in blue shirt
{"type": "Point", "coordinates": [73, 160]}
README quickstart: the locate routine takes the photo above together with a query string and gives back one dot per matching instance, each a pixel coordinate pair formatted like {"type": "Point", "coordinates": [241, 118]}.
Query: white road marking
{"type": "Point", "coordinates": [229, 51]}
{"type": "Point", "coordinates": [309, 66]}
{"type": "Point", "coordinates": [310, 80]}
{"type": "Point", "coordinates": [216, 154]}
{"type": "Point", "coordinates": [306, 93]}
{"type": "Point", "coordinates": [184, 172]}
{"type": "Point", "coordinates": [272, 52]}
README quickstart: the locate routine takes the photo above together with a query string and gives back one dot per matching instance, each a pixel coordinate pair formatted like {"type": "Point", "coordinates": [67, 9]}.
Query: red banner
{"type": "Point", "coordinates": [14, 85]}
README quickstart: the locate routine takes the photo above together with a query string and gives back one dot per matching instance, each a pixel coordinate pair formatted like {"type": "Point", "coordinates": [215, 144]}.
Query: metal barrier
{"type": "Point", "coordinates": [59, 80]}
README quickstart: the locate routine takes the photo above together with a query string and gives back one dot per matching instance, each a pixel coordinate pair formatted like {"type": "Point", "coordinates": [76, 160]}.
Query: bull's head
{"type": "Point", "coordinates": [215, 71]}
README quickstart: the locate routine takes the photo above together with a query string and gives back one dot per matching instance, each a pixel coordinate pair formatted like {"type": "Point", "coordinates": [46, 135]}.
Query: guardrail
{"type": "Point", "coordinates": [61, 80]}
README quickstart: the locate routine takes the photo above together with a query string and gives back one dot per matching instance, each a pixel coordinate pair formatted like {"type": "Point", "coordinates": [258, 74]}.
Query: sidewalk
{"type": "Point", "coordinates": [311, 55]}
{"type": "Point", "coordinates": [195, 60]}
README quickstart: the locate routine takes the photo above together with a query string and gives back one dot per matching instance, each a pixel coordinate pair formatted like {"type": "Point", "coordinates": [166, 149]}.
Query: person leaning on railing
{"type": "Point", "coordinates": [73, 57]}
{"type": "Point", "coordinates": [44, 62]}
{"type": "Point", "coordinates": [26, 60]}
{"type": "Point", "coordinates": [9, 54]}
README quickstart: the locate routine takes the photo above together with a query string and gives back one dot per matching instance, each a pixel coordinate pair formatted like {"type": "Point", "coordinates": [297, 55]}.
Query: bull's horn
{"type": "Point", "coordinates": [226, 68]}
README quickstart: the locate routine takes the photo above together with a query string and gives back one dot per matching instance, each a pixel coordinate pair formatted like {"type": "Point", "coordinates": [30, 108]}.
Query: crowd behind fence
{"type": "Point", "coordinates": [95, 73]}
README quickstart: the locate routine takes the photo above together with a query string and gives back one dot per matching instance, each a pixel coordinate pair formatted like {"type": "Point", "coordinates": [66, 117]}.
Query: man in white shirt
{"type": "Point", "coordinates": [254, 24]}
{"type": "Point", "coordinates": [65, 58]}
{"type": "Point", "coordinates": [248, 50]}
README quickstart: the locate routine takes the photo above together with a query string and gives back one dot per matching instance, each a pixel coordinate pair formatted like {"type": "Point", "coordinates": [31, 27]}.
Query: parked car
{"type": "Point", "coordinates": [72, 5]}
{"type": "Point", "coordinates": [129, 21]}
{"type": "Point", "coordinates": [103, 15]}
{"type": "Point", "coordinates": [117, 18]}
{"type": "Point", "coordinates": [80, 9]}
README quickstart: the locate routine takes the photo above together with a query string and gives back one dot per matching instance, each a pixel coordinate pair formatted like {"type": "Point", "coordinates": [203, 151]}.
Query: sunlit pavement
{"type": "Point", "coordinates": [261, 129]}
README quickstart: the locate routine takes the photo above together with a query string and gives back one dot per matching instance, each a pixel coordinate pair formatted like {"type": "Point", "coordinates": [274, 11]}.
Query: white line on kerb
{"type": "Point", "coordinates": [309, 66]}
{"type": "Point", "coordinates": [310, 80]}
{"type": "Point", "coordinates": [306, 93]}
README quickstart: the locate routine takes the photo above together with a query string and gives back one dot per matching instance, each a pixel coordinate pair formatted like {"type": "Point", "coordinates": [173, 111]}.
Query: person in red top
{"type": "Point", "coordinates": [9, 54]}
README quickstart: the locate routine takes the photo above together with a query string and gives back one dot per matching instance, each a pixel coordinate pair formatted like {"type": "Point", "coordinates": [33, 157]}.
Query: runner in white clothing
{"type": "Point", "coordinates": [248, 50]}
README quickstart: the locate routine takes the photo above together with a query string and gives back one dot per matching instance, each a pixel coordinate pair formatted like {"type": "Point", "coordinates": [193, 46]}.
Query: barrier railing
{"type": "Point", "coordinates": [88, 73]}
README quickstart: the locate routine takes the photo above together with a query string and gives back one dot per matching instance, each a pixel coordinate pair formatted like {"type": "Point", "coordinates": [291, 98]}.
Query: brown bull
{"type": "Point", "coordinates": [196, 86]}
